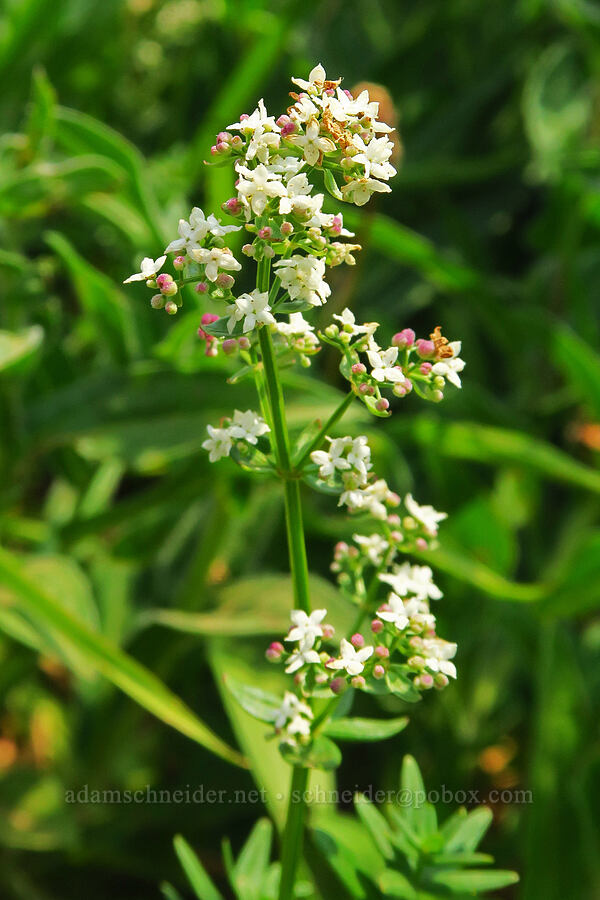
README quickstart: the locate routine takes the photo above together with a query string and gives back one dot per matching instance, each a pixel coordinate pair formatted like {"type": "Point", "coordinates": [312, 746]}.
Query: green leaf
{"type": "Point", "coordinates": [321, 753]}
{"type": "Point", "coordinates": [251, 865]}
{"type": "Point", "coordinates": [400, 685]}
{"type": "Point", "coordinates": [395, 884]}
{"type": "Point", "coordinates": [331, 184]}
{"type": "Point", "coordinates": [416, 811]}
{"type": "Point", "coordinates": [580, 365]}
{"type": "Point", "coordinates": [125, 672]}
{"type": "Point", "coordinates": [364, 729]}
{"type": "Point", "coordinates": [470, 831]}
{"type": "Point", "coordinates": [193, 868]}
{"type": "Point", "coordinates": [20, 349]}
{"type": "Point", "coordinates": [169, 892]}
{"type": "Point", "coordinates": [257, 703]}
{"type": "Point", "coordinates": [474, 881]}
{"type": "Point", "coordinates": [376, 825]}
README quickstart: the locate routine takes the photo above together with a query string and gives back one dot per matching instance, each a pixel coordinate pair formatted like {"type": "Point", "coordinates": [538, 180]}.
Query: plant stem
{"type": "Point", "coordinates": [333, 418]}
{"type": "Point", "coordinates": [291, 849]}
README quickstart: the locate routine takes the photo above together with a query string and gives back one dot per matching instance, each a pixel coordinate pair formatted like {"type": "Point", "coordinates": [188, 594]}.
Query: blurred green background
{"type": "Point", "coordinates": [492, 231]}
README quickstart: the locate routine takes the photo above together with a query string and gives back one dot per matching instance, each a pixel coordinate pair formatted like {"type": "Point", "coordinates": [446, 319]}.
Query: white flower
{"type": "Point", "coordinates": [291, 706]}
{"type": "Point", "coordinates": [257, 186]}
{"type": "Point", "coordinates": [296, 327]}
{"type": "Point", "coordinates": [248, 426]}
{"type": "Point", "coordinates": [374, 156]}
{"type": "Point", "coordinates": [344, 106]}
{"type": "Point", "coordinates": [306, 628]}
{"type": "Point", "coordinates": [417, 580]}
{"type": "Point", "coordinates": [312, 144]}
{"type": "Point", "coordinates": [374, 546]}
{"type": "Point", "coordinates": [216, 259]}
{"type": "Point", "coordinates": [449, 369]}
{"type": "Point", "coordinates": [304, 655]}
{"type": "Point", "coordinates": [258, 120]}
{"type": "Point", "coordinates": [359, 456]}
{"type": "Point", "coordinates": [150, 267]}
{"type": "Point", "coordinates": [396, 615]}
{"type": "Point", "coordinates": [349, 325]}
{"type": "Point", "coordinates": [427, 515]}
{"type": "Point", "coordinates": [253, 308]}
{"type": "Point", "coordinates": [370, 499]}
{"type": "Point", "coordinates": [192, 233]}
{"type": "Point", "coordinates": [383, 363]}
{"type": "Point", "coordinates": [303, 277]}
{"type": "Point", "coordinates": [316, 80]}
{"type": "Point", "coordinates": [218, 443]}
{"type": "Point", "coordinates": [437, 654]}
{"type": "Point", "coordinates": [286, 165]}
{"type": "Point", "coordinates": [299, 725]}
{"type": "Point", "coordinates": [359, 190]}
{"type": "Point", "coordinates": [262, 144]}
{"type": "Point", "coordinates": [303, 110]}
{"type": "Point", "coordinates": [333, 459]}
{"type": "Point", "coordinates": [332, 221]}
{"type": "Point", "coordinates": [352, 660]}
{"type": "Point", "coordinates": [298, 200]}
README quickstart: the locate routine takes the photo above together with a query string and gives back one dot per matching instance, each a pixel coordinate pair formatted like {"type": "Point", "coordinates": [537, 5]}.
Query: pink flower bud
{"type": "Point", "coordinates": [268, 252]}
{"type": "Point", "coordinates": [359, 369]}
{"type": "Point", "coordinates": [340, 548]}
{"type": "Point", "coordinates": [208, 318]}
{"type": "Point", "coordinates": [393, 499]}
{"type": "Point", "coordinates": [421, 544]}
{"type": "Point", "coordinates": [229, 346]}
{"type": "Point", "coordinates": [404, 338]}
{"type": "Point", "coordinates": [236, 141]}
{"type": "Point", "coordinates": [223, 137]}
{"type": "Point", "coordinates": [213, 150]}
{"type": "Point", "coordinates": [337, 685]}
{"type": "Point", "coordinates": [363, 388]}
{"type": "Point", "coordinates": [244, 343]}
{"type": "Point", "coordinates": [163, 280]}
{"type": "Point", "coordinates": [396, 536]}
{"type": "Point", "coordinates": [357, 640]}
{"type": "Point", "coordinates": [248, 250]}
{"type": "Point", "coordinates": [222, 147]}
{"type": "Point", "coordinates": [440, 680]}
{"type": "Point", "coordinates": [266, 233]}
{"type": "Point", "coordinates": [425, 681]}
{"type": "Point", "coordinates": [179, 262]}
{"type": "Point", "coordinates": [376, 626]}
{"type": "Point", "coordinates": [225, 280]}
{"type": "Point", "coordinates": [358, 682]}
{"type": "Point", "coordinates": [425, 349]}
{"type": "Point", "coordinates": [286, 228]}
{"type": "Point", "coordinates": [232, 206]}
{"type": "Point", "coordinates": [382, 404]}
{"type": "Point", "coordinates": [378, 671]}
{"type": "Point", "coordinates": [328, 631]}
{"type": "Point", "coordinates": [211, 348]}
{"type": "Point", "coordinates": [201, 287]}
{"type": "Point", "coordinates": [425, 368]}
{"type": "Point", "coordinates": [382, 652]}
{"type": "Point", "coordinates": [274, 651]}
{"type": "Point", "coordinates": [244, 116]}
{"type": "Point", "coordinates": [157, 302]}
{"type": "Point", "coordinates": [170, 307]}
{"type": "Point", "coordinates": [169, 289]}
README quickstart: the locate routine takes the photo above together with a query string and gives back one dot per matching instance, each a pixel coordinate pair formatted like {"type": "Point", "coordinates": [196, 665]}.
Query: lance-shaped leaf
{"type": "Point", "coordinates": [364, 729]}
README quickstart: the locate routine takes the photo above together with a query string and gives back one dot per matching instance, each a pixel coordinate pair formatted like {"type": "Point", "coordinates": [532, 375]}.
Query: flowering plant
{"type": "Point", "coordinates": [327, 142]}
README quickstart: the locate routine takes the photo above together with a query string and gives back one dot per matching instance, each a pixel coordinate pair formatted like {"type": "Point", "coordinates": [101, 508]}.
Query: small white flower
{"type": "Point", "coordinates": [383, 363]}
{"type": "Point", "coordinates": [299, 725]}
{"type": "Point", "coordinates": [359, 190]}
{"type": "Point", "coordinates": [427, 515]}
{"type": "Point", "coordinates": [259, 119]}
{"type": "Point", "coordinates": [438, 654]}
{"type": "Point", "coordinates": [306, 628]}
{"type": "Point", "coordinates": [313, 146]}
{"type": "Point", "coordinates": [192, 233]}
{"type": "Point", "coordinates": [374, 156]}
{"type": "Point", "coordinates": [302, 656]}
{"type": "Point", "coordinates": [288, 166]}
{"type": "Point", "coordinates": [344, 107]}
{"type": "Point", "coordinates": [371, 499]}
{"type": "Point", "coordinates": [449, 369]}
{"type": "Point", "coordinates": [248, 426]}
{"type": "Point", "coordinates": [417, 580]}
{"type": "Point", "coordinates": [262, 144]}
{"type": "Point", "coordinates": [218, 443]}
{"type": "Point", "coordinates": [316, 80]}
{"type": "Point", "coordinates": [352, 660]}
{"type": "Point", "coordinates": [396, 615]}
{"type": "Point", "coordinates": [349, 325]}
{"type": "Point", "coordinates": [296, 327]}
{"type": "Point", "coordinates": [374, 545]}
{"type": "Point", "coordinates": [216, 259]}
{"type": "Point", "coordinates": [333, 459]}
{"type": "Point", "coordinates": [257, 186]}
{"type": "Point", "coordinates": [253, 308]}
{"type": "Point", "coordinates": [303, 277]}
{"type": "Point", "coordinates": [299, 200]}
{"type": "Point", "coordinates": [303, 110]}
{"type": "Point", "coordinates": [150, 268]}
{"type": "Point", "coordinates": [359, 456]}
{"type": "Point", "coordinates": [291, 706]}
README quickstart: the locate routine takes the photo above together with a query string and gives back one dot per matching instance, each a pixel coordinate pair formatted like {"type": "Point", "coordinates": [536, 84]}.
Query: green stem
{"type": "Point", "coordinates": [291, 850]}
{"type": "Point", "coordinates": [333, 418]}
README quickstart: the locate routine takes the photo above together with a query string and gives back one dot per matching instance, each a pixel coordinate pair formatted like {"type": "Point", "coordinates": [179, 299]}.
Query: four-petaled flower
{"type": "Point", "coordinates": [438, 654]}
{"type": "Point", "coordinates": [303, 277]}
{"type": "Point", "coordinates": [218, 443]}
{"type": "Point", "coordinates": [253, 308]}
{"type": "Point", "coordinates": [396, 613]}
{"type": "Point", "coordinates": [306, 628]}
{"type": "Point", "coordinates": [291, 707]}
{"type": "Point", "coordinates": [351, 659]}
{"type": "Point", "coordinates": [383, 365]}
{"type": "Point", "coordinates": [150, 267]}
{"type": "Point", "coordinates": [248, 426]}
{"type": "Point", "coordinates": [427, 515]}
{"type": "Point", "coordinates": [450, 367]}
{"type": "Point", "coordinates": [257, 186]}
{"type": "Point", "coordinates": [313, 146]}
{"type": "Point", "coordinates": [216, 259]}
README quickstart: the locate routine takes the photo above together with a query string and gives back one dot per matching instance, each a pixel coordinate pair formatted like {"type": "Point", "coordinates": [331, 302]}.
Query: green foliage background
{"type": "Point", "coordinates": [109, 511]}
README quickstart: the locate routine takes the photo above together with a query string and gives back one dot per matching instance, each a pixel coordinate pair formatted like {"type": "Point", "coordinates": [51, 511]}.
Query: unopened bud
{"type": "Point", "coordinates": [328, 632]}
{"type": "Point", "coordinates": [338, 685]}
{"type": "Point", "coordinates": [359, 369]}
{"type": "Point", "coordinates": [440, 680]}
{"type": "Point", "coordinates": [225, 280]}
{"type": "Point", "coordinates": [201, 287]}
{"type": "Point", "coordinates": [268, 252]}
{"type": "Point", "coordinates": [286, 228]}
{"type": "Point", "coordinates": [171, 307]}
{"type": "Point", "coordinates": [275, 651]}
{"type": "Point", "coordinates": [425, 349]}
{"type": "Point", "coordinates": [377, 626]}
{"type": "Point", "coordinates": [436, 396]}
{"type": "Point", "coordinates": [421, 544]}
{"type": "Point", "coordinates": [248, 250]}
{"type": "Point", "coordinates": [266, 233]}
{"type": "Point", "coordinates": [382, 652]}
{"type": "Point", "coordinates": [244, 343]}
{"type": "Point", "coordinates": [208, 318]}
{"type": "Point", "coordinates": [358, 682]}
{"type": "Point", "coordinates": [425, 368]}
{"type": "Point", "coordinates": [357, 640]}
{"type": "Point", "coordinates": [232, 206]}
{"type": "Point", "coordinates": [179, 262]}
{"type": "Point", "coordinates": [229, 346]}
{"type": "Point", "coordinates": [382, 404]}
{"type": "Point", "coordinates": [404, 338]}
{"type": "Point", "coordinates": [157, 302]}
{"type": "Point", "coordinates": [425, 680]}
{"type": "Point", "coordinates": [378, 671]}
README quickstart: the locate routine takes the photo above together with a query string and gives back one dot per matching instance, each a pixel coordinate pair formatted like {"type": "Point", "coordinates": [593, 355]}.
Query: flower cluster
{"type": "Point", "coordinates": [422, 365]}
{"type": "Point", "coordinates": [244, 426]}
{"type": "Point", "coordinates": [346, 457]}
